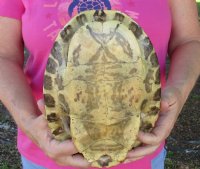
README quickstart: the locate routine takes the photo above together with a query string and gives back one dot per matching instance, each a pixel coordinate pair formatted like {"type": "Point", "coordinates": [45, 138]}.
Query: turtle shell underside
{"type": "Point", "coordinates": [102, 85]}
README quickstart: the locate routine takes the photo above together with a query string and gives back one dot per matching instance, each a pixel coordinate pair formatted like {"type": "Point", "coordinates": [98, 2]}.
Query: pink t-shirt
{"type": "Point", "coordinates": [41, 22]}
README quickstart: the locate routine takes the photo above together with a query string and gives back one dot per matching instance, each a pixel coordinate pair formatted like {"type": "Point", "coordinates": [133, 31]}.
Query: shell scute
{"type": "Point", "coordinates": [49, 100]}
{"type": "Point", "coordinates": [56, 52]}
{"type": "Point", "coordinates": [48, 82]}
{"type": "Point", "coordinates": [51, 66]}
{"type": "Point", "coordinates": [67, 33]}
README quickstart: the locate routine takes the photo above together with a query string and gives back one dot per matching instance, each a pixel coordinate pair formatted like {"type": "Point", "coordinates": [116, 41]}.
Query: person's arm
{"type": "Point", "coordinates": [184, 47]}
{"type": "Point", "coordinates": [184, 51]}
{"type": "Point", "coordinates": [16, 95]}
{"type": "Point", "coordinates": [14, 90]}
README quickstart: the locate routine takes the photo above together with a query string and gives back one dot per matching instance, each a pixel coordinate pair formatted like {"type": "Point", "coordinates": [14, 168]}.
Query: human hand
{"type": "Point", "coordinates": [63, 153]}
{"type": "Point", "coordinates": [171, 105]}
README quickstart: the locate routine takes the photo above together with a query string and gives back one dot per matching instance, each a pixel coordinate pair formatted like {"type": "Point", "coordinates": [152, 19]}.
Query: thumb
{"type": "Point", "coordinates": [41, 107]}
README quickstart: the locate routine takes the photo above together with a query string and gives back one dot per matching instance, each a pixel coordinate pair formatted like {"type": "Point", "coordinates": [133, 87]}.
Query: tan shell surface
{"type": "Point", "coordinates": [102, 85]}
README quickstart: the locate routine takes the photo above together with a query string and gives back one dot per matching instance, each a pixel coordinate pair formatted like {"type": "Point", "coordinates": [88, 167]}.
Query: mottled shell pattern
{"type": "Point", "coordinates": [102, 85]}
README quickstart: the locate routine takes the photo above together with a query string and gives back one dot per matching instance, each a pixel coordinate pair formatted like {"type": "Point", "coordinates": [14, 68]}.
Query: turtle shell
{"type": "Point", "coordinates": [102, 85]}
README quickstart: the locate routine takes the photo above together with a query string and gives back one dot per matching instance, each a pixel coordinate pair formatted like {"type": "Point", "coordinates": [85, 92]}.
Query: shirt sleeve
{"type": "Point", "coordinates": [12, 8]}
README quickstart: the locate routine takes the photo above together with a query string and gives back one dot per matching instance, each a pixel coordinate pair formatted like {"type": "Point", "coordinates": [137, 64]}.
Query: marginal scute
{"type": "Point", "coordinates": [120, 17]}
{"type": "Point", "coordinates": [148, 47]}
{"type": "Point", "coordinates": [148, 79]}
{"type": "Point", "coordinates": [157, 95]}
{"type": "Point", "coordinates": [49, 100]}
{"type": "Point", "coordinates": [102, 85]}
{"type": "Point", "coordinates": [146, 127]}
{"type": "Point", "coordinates": [81, 19]}
{"type": "Point", "coordinates": [67, 33]}
{"type": "Point", "coordinates": [58, 131]}
{"type": "Point", "coordinates": [100, 16]}
{"type": "Point", "coordinates": [48, 82]}
{"type": "Point", "coordinates": [136, 29]}
{"type": "Point", "coordinates": [154, 60]}
{"type": "Point", "coordinates": [51, 66]}
{"type": "Point", "coordinates": [154, 110]}
{"type": "Point", "coordinates": [56, 52]}
{"type": "Point", "coordinates": [157, 76]}
{"type": "Point", "coordinates": [52, 117]}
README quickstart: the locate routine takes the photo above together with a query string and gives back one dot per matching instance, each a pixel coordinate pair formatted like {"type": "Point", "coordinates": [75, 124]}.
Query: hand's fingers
{"type": "Point", "coordinates": [167, 117]}
{"type": "Point", "coordinates": [139, 152]}
{"type": "Point", "coordinates": [162, 128]}
{"type": "Point", "coordinates": [75, 160]}
{"type": "Point", "coordinates": [50, 145]}
{"type": "Point", "coordinates": [161, 131]}
{"type": "Point", "coordinates": [170, 108]}
{"type": "Point", "coordinates": [128, 160]}
{"type": "Point", "coordinates": [41, 105]}
{"type": "Point", "coordinates": [55, 148]}
{"type": "Point", "coordinates": [79, 161]}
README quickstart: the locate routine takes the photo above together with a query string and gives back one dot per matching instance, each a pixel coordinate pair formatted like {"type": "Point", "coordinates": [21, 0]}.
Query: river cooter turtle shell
{"type": "Point", "coordinates": [102, 85]}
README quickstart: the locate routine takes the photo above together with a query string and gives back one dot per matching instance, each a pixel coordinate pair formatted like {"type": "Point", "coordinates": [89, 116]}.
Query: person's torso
{"type": "Point", "coordinates": [41, 23]}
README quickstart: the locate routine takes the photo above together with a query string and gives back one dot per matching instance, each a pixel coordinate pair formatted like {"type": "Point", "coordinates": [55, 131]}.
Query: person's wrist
{"type": "Point", "coordinates": [175, 90]}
